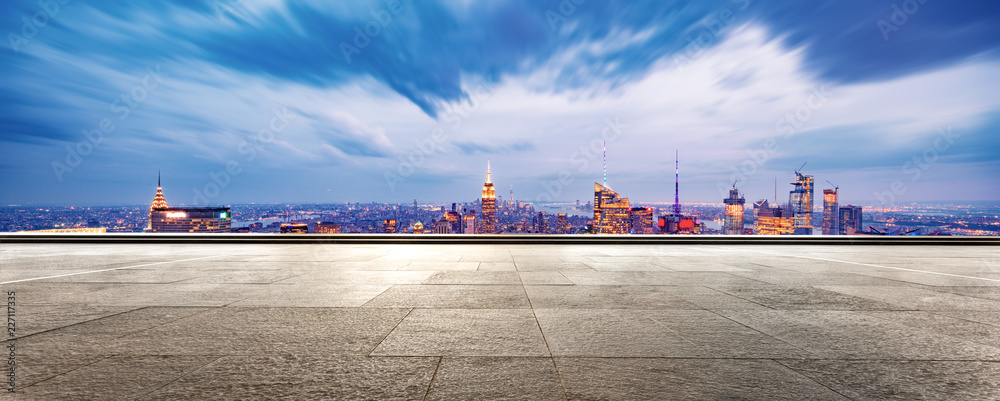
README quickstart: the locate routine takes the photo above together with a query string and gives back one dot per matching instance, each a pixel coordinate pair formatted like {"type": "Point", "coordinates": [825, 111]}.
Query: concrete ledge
{"type": "Point", "coordinates": [409, 239]}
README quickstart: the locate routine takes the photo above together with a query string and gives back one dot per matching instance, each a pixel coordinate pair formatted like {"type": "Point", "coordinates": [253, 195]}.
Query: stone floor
{"type": "Point", "coordinates": [538, 322]}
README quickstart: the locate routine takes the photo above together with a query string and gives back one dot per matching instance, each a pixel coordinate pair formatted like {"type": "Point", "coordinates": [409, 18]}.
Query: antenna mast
{"type": "Point", "coordinates": [605, 164]}
{"type": "Point", "coordinates": [677, 175]}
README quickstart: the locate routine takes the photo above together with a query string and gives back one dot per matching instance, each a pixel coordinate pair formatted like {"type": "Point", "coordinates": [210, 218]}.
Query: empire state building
{"type": "Point", "coordinates": [489, 205]}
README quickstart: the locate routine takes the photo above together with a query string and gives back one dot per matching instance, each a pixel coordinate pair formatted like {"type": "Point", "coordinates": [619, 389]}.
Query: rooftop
{"type": "Point", "coordinates": [204, 320]}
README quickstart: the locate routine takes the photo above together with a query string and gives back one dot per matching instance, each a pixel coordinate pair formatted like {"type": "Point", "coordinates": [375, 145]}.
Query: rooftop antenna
{"type": "Point", "coordinates": [605, 164]}
{"type": "Point", "coordinates": [776, 189]}
{"type": "Point", "coordinates": [488, 171]}
{"type": "Point", "coordinates": [158, 178]}
{"type": "Point", "coordinates": [677, 175]}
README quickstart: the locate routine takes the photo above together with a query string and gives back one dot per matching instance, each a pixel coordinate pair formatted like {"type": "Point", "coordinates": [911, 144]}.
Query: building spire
{"type": "Point", "coordinates": [605, 164]}
{"type": "Point", "coordinates": [488, 171]}
{"type": "Point", "coordinates": [677, 185]}
{"type": "Point", "coordinates": [158, 201]}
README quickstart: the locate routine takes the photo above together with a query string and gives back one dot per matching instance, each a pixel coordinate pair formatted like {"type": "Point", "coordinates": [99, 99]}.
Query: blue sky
{"type": "Point", "coordinates": [240, 101]}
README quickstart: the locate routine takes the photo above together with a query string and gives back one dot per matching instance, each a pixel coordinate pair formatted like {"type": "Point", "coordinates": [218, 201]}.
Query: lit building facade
{"type": "Point", "coordinates": [488, 224]}
{"type": "Point", "coordinates": [831, 213]}
{"type": "Point", "coordinates": [326, 227]}
{"type": "Point", "coordinates": [733, 222]}
{"type": "Point", "coordinates": [612, 213]}
{"type": "Point", "coordinates": [470, 223]}
{"type": "Point", "coordinates": [418, 228]}
{"type": "Point", "coordinates": [389, 226]}
{"type": "Point", "coordinates": [642, 220]}
{"type": "Point", "coordinates": [294, 228]}
{"type": "Point", "coordinates": [850, 220]}
{"type": "Point", "coordinates": [190, 220]}
{"type": "Point", "coordinates": [442, 226]}
{"type": "Point", "coordinates": [563, 223]}
{"type": "Point", "coordinates": [774, 221]}
{"type": "Point", "coordinates": [800, 200]}
{"type": "Point", "coordinates": [165, 219]}
{"type": "Point", "coordinates": [678, 224]}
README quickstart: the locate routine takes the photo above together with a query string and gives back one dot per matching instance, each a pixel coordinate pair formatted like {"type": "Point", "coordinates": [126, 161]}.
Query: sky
{"type": "Point", "coordinates": [312, 101]}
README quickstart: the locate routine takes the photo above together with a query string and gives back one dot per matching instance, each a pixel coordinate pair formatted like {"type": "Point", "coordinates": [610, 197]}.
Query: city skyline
{"type": "Point", "coordinates": [894, 102]}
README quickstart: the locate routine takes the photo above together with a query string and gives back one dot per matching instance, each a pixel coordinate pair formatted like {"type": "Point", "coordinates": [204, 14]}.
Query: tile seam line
{"type": "Point", "coordinates": [540, 331]}
{"type": "Point", "coordinates": [130, 267]}
{"type": "Point", "coordinates": [874, 265]}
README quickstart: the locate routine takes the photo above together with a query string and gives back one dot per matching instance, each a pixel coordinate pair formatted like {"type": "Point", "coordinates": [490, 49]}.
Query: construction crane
{"type": "Point", "coordinates": [835, 187]}
{"type": "Point", "coordinates": [800, 168]}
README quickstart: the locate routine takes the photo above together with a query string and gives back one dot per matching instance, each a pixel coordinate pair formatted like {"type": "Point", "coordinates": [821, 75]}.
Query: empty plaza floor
{"type": "Point", "coordinates": [501, 321]}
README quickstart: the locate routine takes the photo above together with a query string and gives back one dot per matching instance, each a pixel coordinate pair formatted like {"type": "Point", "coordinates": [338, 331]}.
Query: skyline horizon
{"type": "Point", "coordinates": [282, 101]}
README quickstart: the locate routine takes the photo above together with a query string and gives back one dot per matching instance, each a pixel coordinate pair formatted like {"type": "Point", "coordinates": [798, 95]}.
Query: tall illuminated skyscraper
{"type": "Point", "coordinates": [733, 224]}
{"type": "Point", "coordinates": [800, 200]}
{"type": "Point", "coordinates": [165, 219]}
{"type": "Point", "coordinates": [611, 211]}
{"type": "Point", "coordinates": [488, 225]}
{"type": "Point", "coordinates": [831, 213]}
{"type": "Point", "coordinates": [159, 202]}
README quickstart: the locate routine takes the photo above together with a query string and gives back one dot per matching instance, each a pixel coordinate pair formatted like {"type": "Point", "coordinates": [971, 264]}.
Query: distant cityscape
{"type": "Point", "coordinates": [608, 213]}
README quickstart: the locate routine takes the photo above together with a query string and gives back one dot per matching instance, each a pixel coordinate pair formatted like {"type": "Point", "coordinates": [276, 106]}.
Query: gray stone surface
{"type": "Point", "coordinates": [213, 321]}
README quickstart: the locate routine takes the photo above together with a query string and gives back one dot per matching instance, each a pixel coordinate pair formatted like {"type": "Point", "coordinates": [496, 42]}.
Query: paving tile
{"type": "Point", "coordinates": [496, 378]}
{"type": "Point", "coordinates": [686, 379]}
{"type": "Point", "coordinates": [451, 296]}
{"type": "Point", "coordinates": [857, 335]}
{"type": "Point", "coordinates": [474, 278]}
{"type": "Point", "coordinates": [543, 278]}
{"type": "Point", "coordinates": [918, 298]}
{"type": "Point", "coordinates": [496, 266]}
{"type": "Point", "coordinates": [437, 266]}
{"type": "Point", "coordinates": [358, 277]}
{"type": "Point", "coordinates": [465, 332]}
{"type": "Point", "coordinates": [612, 333]}
{"type": "Point", "coordinates": [299, 377]}
{"type": "Point", "coordinates": [329, 296]}
{"type": "Point", "coordinates": [805, 298]}
{"type": "Point", "coordinates": [32, 369]}
{"type": "Point", "coordinates": [120, 377]}
{"type": "Point", "coordinates": [605, 297]}
{"type": "Point", "coordinates": [245, 331]}
{"type": "Point", "coordinates": [30, 319]}
{"type": "Point", "coordinates": [532, 266]}
{"type": "Point", "coordinates": [904, 380]}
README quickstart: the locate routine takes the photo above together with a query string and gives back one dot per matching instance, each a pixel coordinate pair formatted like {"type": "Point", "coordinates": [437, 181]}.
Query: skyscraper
{"type": "Point", "coordinates": [831, 213]}
{"type": "Point", "coordinates": [540, 223]}
{"type": "Point", "coordinates": [733, 223]}
{"type": "Point", "coordinates": [563, 224]}
{"type": "Point", "coordinates": [642, 220]}
{"type": "Point", "coordinates": [488, 225]}
{"type": "Point", "coordinates": [773, 221]}
{"type": "Point", "coordinates": [612, 213]}
{"type": "Point", "coordinates": [850, 220]}
{"type": "Point", "coordinates": [800, 200]}
{"type": "Point", "coordinates": [165, 219]}
{"type": "Point", "coordinates": [470, 223]}
{"type": "Point", "coordinates": [389, 226]}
